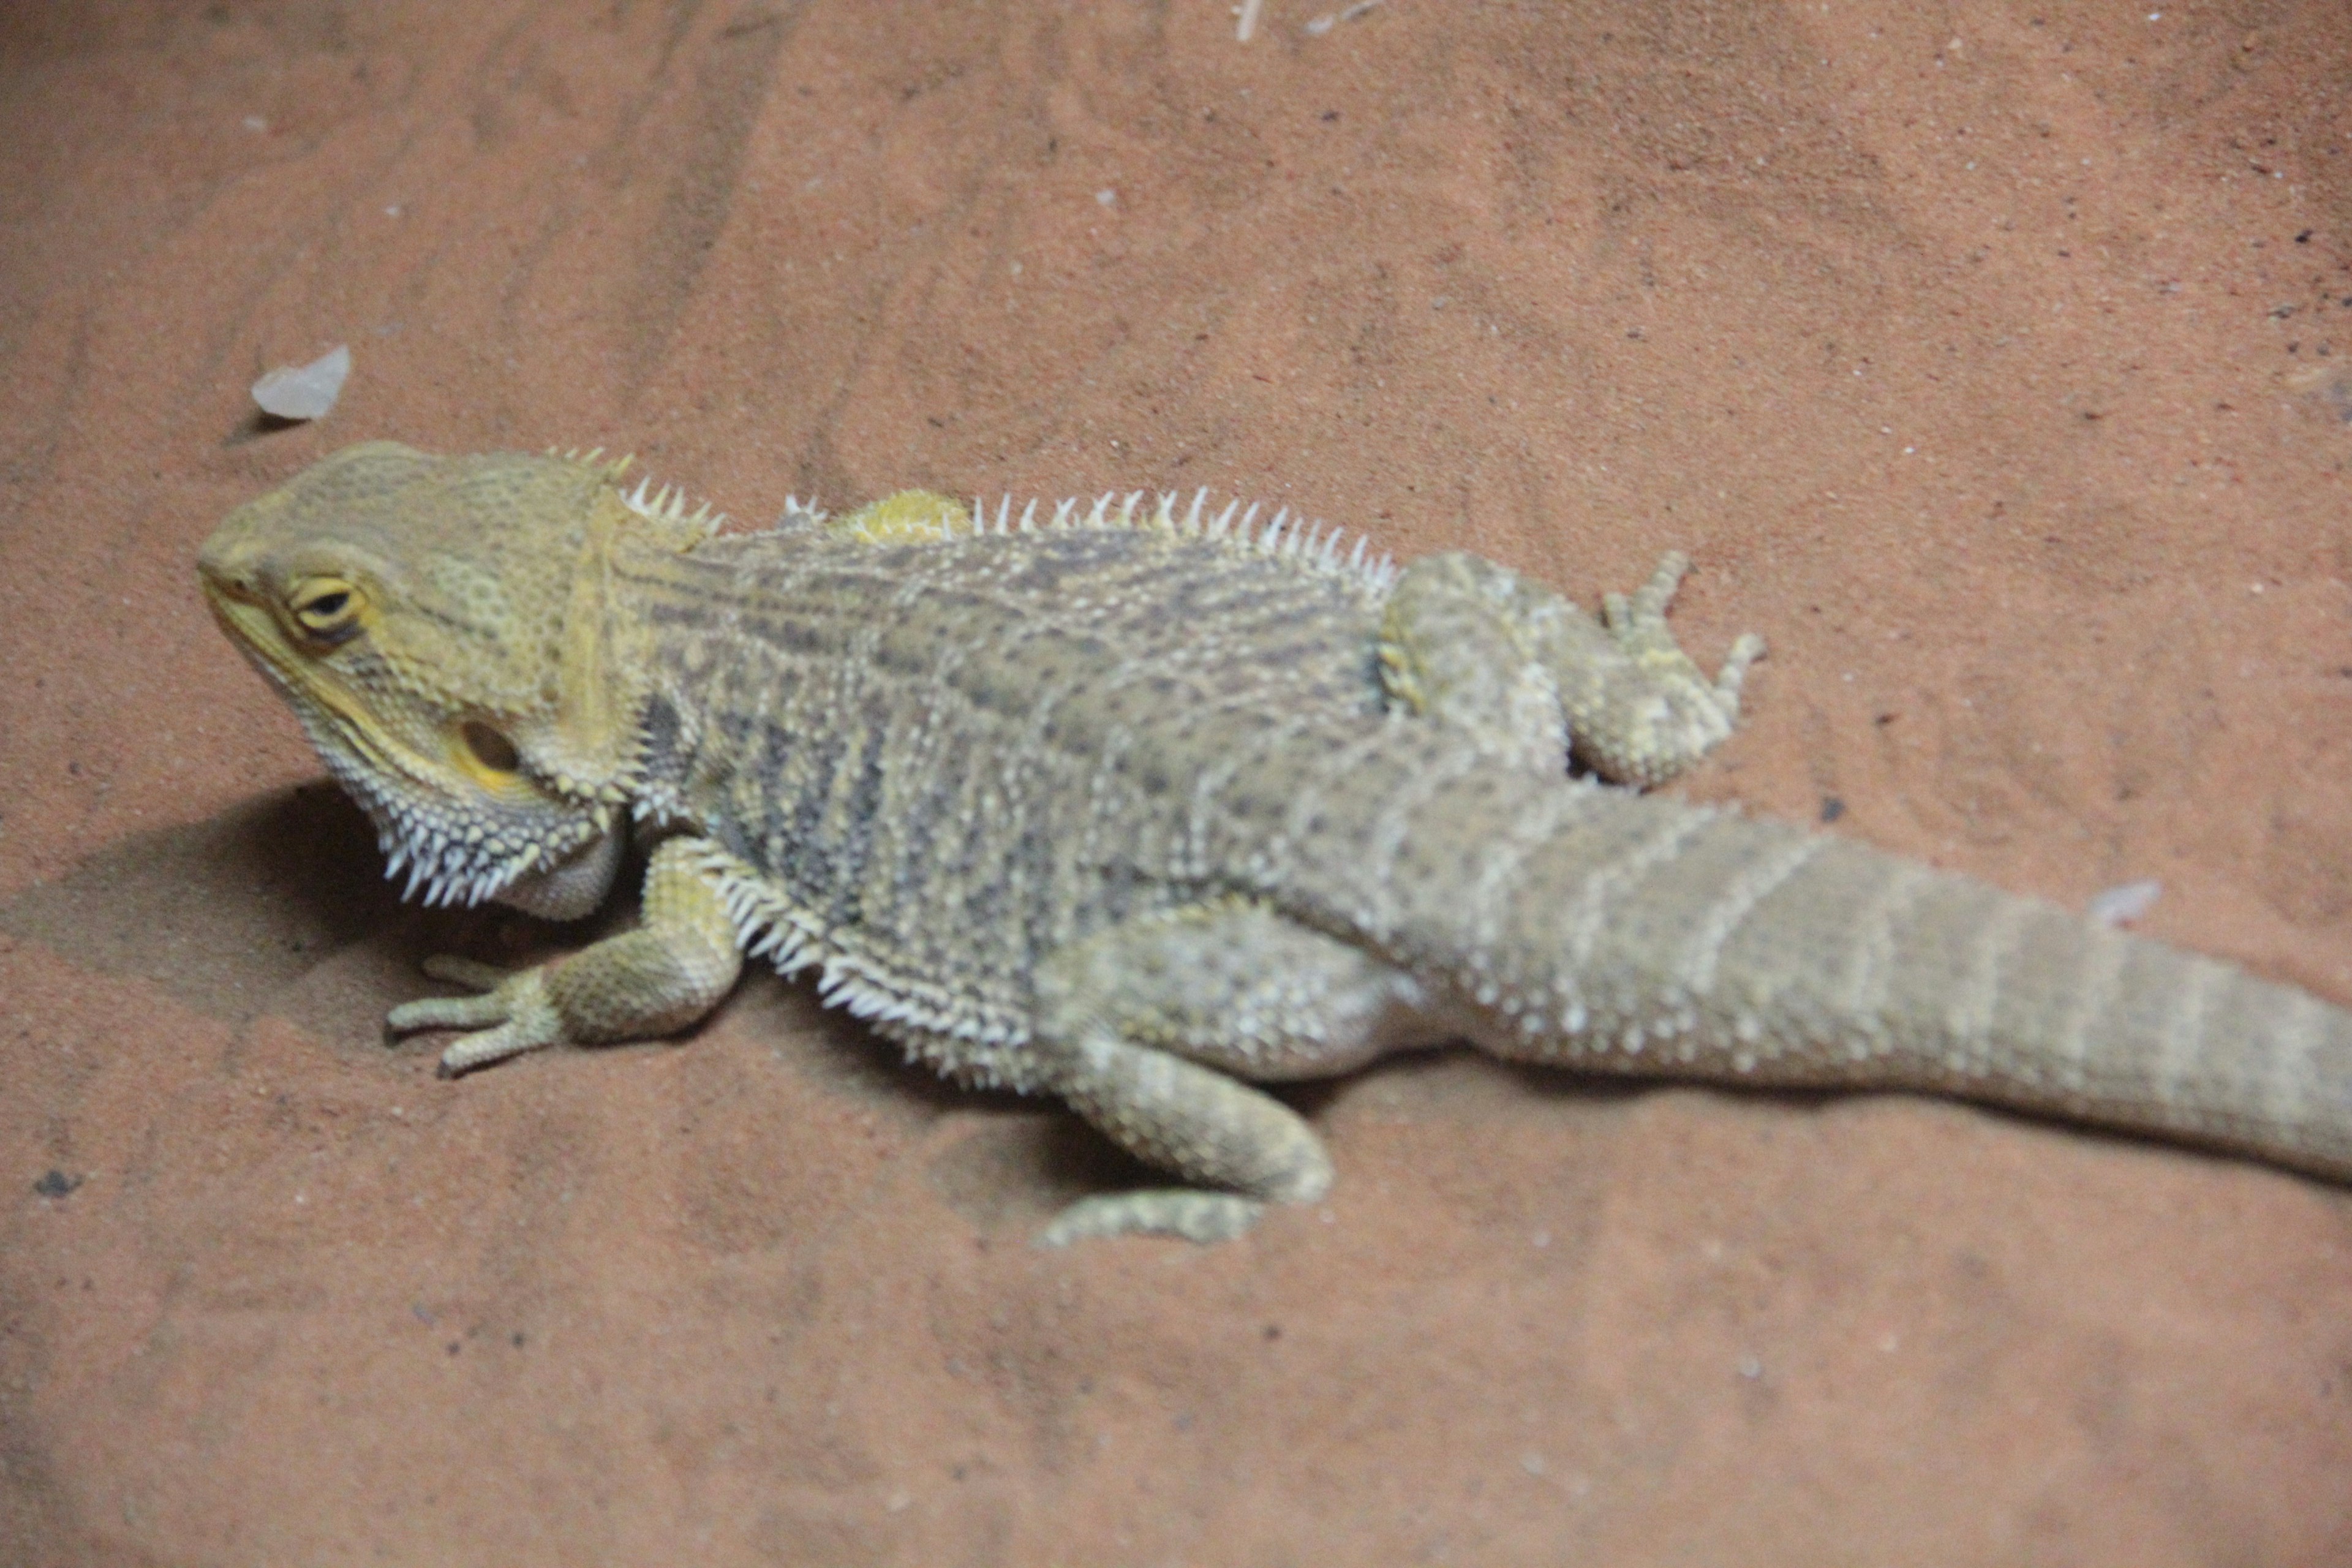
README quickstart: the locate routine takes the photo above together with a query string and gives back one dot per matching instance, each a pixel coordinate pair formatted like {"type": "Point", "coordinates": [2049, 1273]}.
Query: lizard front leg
{"type": "Point", "coordinates": [1146, 1029]}
{"type": "Point", "coordinates": [1530, 675]}
{"type": "Point", "coordinates": [655, 980]}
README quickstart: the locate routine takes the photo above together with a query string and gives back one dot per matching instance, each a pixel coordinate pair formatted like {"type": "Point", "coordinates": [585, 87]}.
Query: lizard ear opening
{"type": "Point", "coordinates": [492, 750]}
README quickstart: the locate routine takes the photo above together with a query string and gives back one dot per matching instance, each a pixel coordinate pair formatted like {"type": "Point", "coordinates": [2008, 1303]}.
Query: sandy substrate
{"type": "Point", "coordinates": [1995, 369]}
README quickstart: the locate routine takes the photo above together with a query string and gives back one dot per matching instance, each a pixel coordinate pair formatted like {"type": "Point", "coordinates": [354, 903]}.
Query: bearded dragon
{"type": "Point", "coordinates": [1144, 804]}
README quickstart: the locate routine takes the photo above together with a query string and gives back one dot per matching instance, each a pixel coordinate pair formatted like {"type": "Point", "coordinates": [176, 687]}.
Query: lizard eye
{"type": "Point", "coordinates": [328, 608]}
{"type": "Point", "coordinates": [491, 749]}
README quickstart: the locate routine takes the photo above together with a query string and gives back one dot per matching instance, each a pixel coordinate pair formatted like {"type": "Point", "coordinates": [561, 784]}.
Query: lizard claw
{"type": "Point", "coordinates": [512, 1015]}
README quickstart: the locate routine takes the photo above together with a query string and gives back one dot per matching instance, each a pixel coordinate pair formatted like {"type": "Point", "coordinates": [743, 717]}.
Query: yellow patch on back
{"type": "Point", "coordinates": [910, 517]}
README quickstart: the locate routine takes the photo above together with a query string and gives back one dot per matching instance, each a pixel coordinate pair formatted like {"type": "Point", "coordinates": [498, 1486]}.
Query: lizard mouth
{"type": "Point", "coordinates": [313, 693]}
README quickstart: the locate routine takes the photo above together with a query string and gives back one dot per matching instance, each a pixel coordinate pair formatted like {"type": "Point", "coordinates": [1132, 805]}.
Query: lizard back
{"type": "Point", "coordinates": [936, 762]}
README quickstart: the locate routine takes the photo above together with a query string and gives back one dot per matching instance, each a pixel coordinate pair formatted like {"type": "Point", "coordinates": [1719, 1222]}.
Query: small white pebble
{"type": "Point", "coordinates": [254, 122]}
{"type": "Point", "coordinates": [1106, 197]}
{"type": "Point", "coordinates": [1543, 1238]}
{"type": "Point", "coordinates": [308, 391]}
{"type": "Point", "coordinates": [1750, 1368]}
{"type": "Point", "coordinates": [2122, 904]}
{"type": "Point", "coordinates": [1532, 1463]}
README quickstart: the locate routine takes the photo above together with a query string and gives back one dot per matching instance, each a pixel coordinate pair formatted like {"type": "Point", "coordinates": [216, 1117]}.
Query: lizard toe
{"type": "Point", "coordinates": [466, 972]}
{"type": "Point", "coordinates": [517, 1016]}
{"type": "Point", "coordinates": [483, 1047]}
{"type": "Point", "coordinates": [1186, 1212]}
{"type": "Point", "coordinates": [446, 1012]}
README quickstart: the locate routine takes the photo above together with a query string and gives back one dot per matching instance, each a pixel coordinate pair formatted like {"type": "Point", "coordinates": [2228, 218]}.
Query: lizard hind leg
{"type": "Point", "coordinates": [1148, 1029]}
{"type": "Point", "coordinates": [1472, 643]}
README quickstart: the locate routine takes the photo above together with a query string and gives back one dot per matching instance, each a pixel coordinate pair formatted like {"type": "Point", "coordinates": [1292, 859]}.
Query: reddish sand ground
{"type": "Point", "coordinates": [1994, 368]}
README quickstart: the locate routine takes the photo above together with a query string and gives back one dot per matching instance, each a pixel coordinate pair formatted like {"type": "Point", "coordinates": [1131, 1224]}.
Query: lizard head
{"type": "Point", "coordinates": [446, 629]}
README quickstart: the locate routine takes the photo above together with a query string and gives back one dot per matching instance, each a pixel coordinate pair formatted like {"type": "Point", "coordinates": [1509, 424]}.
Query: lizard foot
{"type": "Point", "coordinates": [1165, 1211]}
{"type": "Point", "coordinates": [511, 1015]}
{"type": "Point", "coordinates": [1639, 626]}
{"type": "Point", "coordinates": [1472, 644]}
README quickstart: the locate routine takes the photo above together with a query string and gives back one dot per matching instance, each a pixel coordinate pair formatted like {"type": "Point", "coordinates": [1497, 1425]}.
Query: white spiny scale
{"type": "Point", "coordinates": [1029, 517]}
{"type": "Point", "coordinates": [798, 514]}
{"type": "Point", "coordinates": [1062, 513]}
{"type": "Point", "coordinates": [1271, 541]}
{"type": "Point", "coordinates": [1127, 508]}
{"type": "Point", "coordinates": [1102, 507]}
{"type": "Point", "coordinates": [1223, 522]}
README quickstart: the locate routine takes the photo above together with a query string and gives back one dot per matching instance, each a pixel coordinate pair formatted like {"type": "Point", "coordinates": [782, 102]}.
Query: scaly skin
{"type": "Point", "coordinates": [1140, 808]}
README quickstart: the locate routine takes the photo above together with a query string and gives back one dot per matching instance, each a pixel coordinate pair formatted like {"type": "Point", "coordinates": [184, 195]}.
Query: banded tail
{"type": "Point", "coordinates": [1595, 928]}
